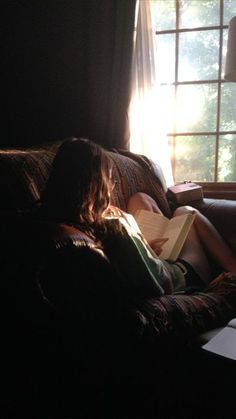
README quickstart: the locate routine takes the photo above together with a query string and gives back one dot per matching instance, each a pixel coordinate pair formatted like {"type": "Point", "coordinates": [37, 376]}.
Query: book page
{"type": "Point", "coordinates": [224, 343]}
{"type": "Point", "coordinates": [154, 226]}
{"type": "Point", "coordinates": [176, 231]}
{"type": "Point", "coordinates": [172, 232]}
{"type": "Point", "coordinates": [151, 224]}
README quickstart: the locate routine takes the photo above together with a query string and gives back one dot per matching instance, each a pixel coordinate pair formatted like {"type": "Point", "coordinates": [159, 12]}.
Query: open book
{"type": "Point", "coordinates": [156, 226]}
{"type": "Point", "coordinates": [224, 343]}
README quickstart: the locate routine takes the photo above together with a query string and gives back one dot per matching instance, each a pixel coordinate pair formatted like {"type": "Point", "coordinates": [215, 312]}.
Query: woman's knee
{"type": "Point", "coordinates": [186, 209]}
{"type": "Point", "coordinates": [141, 200]}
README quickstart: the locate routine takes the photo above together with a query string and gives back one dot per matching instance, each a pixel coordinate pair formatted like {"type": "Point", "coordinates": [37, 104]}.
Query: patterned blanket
{"type": "Point", "coordinates": [186, 315]}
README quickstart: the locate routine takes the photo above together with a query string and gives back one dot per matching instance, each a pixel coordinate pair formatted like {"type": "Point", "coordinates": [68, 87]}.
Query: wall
{"type": "Point", "coordinates": [42, 70]}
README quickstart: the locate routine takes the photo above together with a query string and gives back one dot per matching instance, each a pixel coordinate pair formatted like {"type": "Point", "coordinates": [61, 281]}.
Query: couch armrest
{"type": "Point", "coordinates": [222, 213]}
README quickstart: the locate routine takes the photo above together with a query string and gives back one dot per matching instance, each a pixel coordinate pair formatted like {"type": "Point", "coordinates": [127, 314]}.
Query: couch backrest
{"type": "Point", "coordinates": [24, 173]}
{"type": "Point", "coordinates": [135, 173]}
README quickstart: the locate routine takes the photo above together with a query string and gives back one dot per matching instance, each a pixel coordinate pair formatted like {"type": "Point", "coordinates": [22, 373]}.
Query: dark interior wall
{"type": "Point", "coordinates": [43, 71]}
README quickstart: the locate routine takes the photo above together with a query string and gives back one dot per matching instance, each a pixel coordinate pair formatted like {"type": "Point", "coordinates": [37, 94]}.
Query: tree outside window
{"type": "Point", "coordinates": [198, 105]}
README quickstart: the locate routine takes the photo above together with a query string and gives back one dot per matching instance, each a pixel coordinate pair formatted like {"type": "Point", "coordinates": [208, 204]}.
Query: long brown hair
{"type": "Point", "coordinates": [77, 191]}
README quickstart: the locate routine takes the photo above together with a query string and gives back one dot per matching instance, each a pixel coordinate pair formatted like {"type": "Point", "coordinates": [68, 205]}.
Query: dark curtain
{"type": "Point", "coordinates": [109, 43]}
{"type": "Point", "coordinates": [66, 70]}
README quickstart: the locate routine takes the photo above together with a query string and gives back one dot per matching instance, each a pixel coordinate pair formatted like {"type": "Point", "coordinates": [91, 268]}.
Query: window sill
{"type": "Point", "coordinates": [219, 190]}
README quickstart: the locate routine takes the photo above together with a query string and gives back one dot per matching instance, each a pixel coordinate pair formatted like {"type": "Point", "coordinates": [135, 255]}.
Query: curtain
{"type": "Point", "coordinates": [147, 131]}
{"type": "Point", "coordinates": [108, 62]}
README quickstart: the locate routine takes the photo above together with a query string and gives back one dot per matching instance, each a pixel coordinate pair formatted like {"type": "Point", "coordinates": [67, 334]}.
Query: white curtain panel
{"type": "Point", "coordinates": [147, 131]}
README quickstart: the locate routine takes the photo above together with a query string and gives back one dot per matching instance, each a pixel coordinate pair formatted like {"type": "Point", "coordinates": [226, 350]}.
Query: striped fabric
{"type": "Point", "coordinates": [187, 315]}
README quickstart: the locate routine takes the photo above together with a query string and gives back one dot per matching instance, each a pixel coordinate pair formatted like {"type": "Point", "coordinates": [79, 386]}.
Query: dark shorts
{"type": "Point", "coordinates": [193, 280]}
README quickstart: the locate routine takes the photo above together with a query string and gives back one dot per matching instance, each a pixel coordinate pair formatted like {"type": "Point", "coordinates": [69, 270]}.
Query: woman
{"type": "Point", "coordinates": [202, 244]}
{"type": "Point", "coordinates": [78, 193]}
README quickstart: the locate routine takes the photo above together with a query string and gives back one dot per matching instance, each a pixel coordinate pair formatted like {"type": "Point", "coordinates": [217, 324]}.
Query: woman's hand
{"type": "Point", "coordinates": [157, 244]}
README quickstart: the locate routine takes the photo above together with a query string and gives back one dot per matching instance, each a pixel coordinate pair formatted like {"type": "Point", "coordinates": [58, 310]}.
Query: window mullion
{"type": "Point", "coordinates": [219, 92]}
{"type": "Point", "coordinates": [176, 82]}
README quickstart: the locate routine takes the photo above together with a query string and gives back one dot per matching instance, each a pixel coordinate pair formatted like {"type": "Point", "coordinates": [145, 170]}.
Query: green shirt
{"type": "Point", "coordinates": [141, 272]}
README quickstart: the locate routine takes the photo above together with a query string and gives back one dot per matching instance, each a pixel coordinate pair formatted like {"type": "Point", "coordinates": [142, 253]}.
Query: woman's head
{"type": "Point", "coordinates": [78, 187]}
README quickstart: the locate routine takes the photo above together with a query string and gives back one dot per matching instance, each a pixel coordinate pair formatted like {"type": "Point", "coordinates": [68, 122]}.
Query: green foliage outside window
{"type": "Point", "coordinates": [202, 120]}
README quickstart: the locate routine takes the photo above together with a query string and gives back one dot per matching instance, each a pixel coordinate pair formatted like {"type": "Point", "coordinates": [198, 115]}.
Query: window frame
{"type": "Point", "coordinates": [214, 188]}
{"type": "Point", "coordinates": [219, 190]}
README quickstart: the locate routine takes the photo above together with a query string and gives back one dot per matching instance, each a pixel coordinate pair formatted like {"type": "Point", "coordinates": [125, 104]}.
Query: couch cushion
{"type": "Point", "coordinates": [134, 174]}
{"type": "Point", "coordinates": [23, 174]}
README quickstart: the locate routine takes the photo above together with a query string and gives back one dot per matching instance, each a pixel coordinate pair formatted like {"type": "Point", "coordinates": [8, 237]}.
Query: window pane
{"type": "Point", "coordinates": [196, 107]}
{"type": "Point", "coordinates": [165, 111]}
{"type": "Point", "coordinates": [198, 55]}
{"type": "Point", "coordinates": [164, 14]}
{"type": "Point", "coordinates": [165, 49]}
{"type": "Point", "coordinates": [224, 49]}
{"type": "Point", "coordinates": [227, 158]}
{"type": "Point", "coordinates": [229, 10]}
{"type": "Point", "coordinates": [197, 13]}
{"type": "Point", "coordinates": [228, 107]}
{"type": "Point", "coordinates": [195, 158]}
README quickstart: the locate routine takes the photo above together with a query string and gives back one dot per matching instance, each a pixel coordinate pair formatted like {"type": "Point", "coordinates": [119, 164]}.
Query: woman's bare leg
{"type": "Point", "coordinates": [194, 253]}
{"type": "Point", "coordinates": [141, 200]}
{"type": "Point", "coordinates": [192, 250]}
{"type": "Point", "coordinates": [205, 236]}
{"type": "Point", "coordinates": [203, 239]}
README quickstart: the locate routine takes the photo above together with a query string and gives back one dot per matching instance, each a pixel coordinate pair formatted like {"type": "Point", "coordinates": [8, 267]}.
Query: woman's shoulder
{"type": "Point", "coordinates": [126, 219]}
{"type": "Point", "coordinates": [114, 212]}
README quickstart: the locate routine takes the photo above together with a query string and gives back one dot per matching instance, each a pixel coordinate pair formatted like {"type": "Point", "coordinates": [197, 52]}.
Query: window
{"type": "Point", "coordinates": [198, 105]}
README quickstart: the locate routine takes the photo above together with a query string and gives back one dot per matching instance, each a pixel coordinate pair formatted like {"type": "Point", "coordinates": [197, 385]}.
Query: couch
{"type": "Point", "coordinates": [73, 345]}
